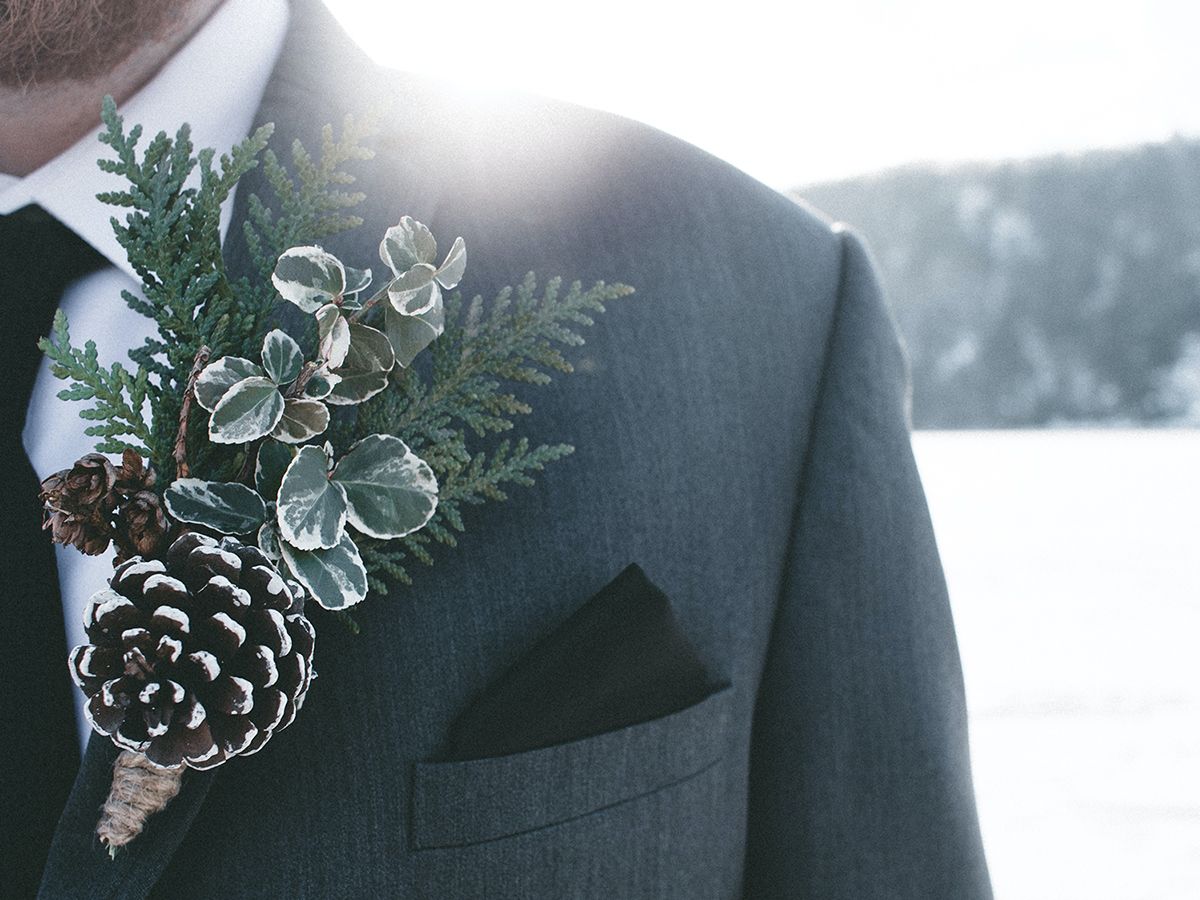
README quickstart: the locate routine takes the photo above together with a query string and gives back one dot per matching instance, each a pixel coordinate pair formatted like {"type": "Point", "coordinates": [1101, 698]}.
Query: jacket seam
{"type": "Point", "coordinates": [417, 847]}
{"type": "Point", "coordinates": [805, 464]}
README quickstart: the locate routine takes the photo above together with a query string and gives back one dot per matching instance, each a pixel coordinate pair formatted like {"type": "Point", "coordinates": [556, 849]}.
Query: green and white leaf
{"type": "Point", "coordinates": [370, 351]}
{"type": "Point", "coordinates": [409, 335]}
{"type": "Point", "coordinates": [272, 461]}
{"type": "Point", "coordinates": [333, 333]}
{"type": "Point", "coordinates": [309, 277]}
{"type": "Point", "coordinates": [219, 376]}
{"type": "Point", "coordinates": [268, 540]}
{"type": "Point", "coordinates": [357, 280]}
{"type": "Point", "coordinates": [365, 370]}
{"type": "Point", "coordinates": [281, 356]}
{"type": "Point", "coordinates": [389, 490]}
{"type": "Point", "coordinates": [312, 508]}
{"type": "Point", "coordinates": [407, 244]}
{"type": "Point", "coordinates": [415, 291]}
{"type": "Point", "coordinates": [320, 385]}
{"type": "Point", "coordinates": [249, 410]}
{"type": "Point", "coordinates": [451, 272]}
{"type": "Point", "coordinates": [336, 577]}
{"type": "Point", "coordinates": [301, 420]}
{"type": "Point", "coordinates": [226, 507]}
{"type": "Point", "coordinates": [355, 387]}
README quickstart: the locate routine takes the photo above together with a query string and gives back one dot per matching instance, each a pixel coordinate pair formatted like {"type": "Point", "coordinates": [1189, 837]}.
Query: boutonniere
{"type": "Point", "coordinates": [267, 470]}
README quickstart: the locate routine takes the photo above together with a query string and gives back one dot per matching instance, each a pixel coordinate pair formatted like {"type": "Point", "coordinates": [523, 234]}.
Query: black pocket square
{"type": "Point", "coordinates": [618, 660]}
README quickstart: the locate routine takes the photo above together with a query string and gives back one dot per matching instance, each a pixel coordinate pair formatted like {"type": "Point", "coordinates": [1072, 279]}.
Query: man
{"type": "Point", "coordinates": [741, 436]}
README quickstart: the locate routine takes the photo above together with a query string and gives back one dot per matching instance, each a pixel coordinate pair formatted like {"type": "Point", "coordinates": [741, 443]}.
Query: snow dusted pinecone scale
{"type": "Point", "coordinates": [198, 658]}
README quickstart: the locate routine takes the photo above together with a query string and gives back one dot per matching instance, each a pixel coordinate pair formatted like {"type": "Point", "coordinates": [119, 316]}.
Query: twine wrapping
{"type": "Point", "coordinates": [139, 789]}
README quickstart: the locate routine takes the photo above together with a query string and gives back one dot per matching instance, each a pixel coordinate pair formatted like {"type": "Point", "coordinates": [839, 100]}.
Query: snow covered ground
{"type": "Point", "coordinates": [1073, 559]}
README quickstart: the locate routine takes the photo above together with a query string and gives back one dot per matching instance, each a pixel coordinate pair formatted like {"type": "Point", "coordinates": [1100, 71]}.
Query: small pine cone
{"type": "Point", "coordinates": [198, 658]}
{"type": "Point", "coordinates": [79, 502]}
{"type": "Point", "coordinates": [88, 534]}
{"type": "Point", "coordinates": [87, 485]}
{"type": "Point", "coordinates": [134, 474]}
{"type": "Point", "coordinates": [141, 528]}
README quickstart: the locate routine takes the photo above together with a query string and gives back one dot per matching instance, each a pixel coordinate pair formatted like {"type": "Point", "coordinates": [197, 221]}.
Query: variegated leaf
{"type": "Point", "coordinates": [357, 280]}
{"type": "Point", "coordinates": [355, 387]}
{"type": "Point", "coordinates": [249, 410]}
{"type": "Point", "coordinates": [335, 577]}
{"type": "Point", "coordinates": [415, 291]}
{"type": "Point", "coordinates": [407, 244]}
{"type": "Point", "coordinates": [409, 335]}
{"type": "Point", "coordinates": [309, 277]}
{"type": "Point", "coordinates": [219, 376]}
{"type": "Point", "coordinates": [302, 419]}
{"type": "Point", "coordinates": [268, 540]}
{"type": "Point", "coordinates": [312, 509]}
{"type": "Point", "coordinates": [281, 356]}
{"type": "Point", "coordinates": [452, 268]}
{"type": "Point", "coordinates": [272, 461]}
{"type": "Point", "coordinates": [390, 491]}
{"type": "Point", "coordinates": [370, 351]}
{"type": "Point", "coordinates": [333, 333]}
{"type": "Point", "coordinates": [226, 507]}
{"type": "Point", "coordinates": [320, 385]}
{"type": "Point", "coordinates": [364, 372]}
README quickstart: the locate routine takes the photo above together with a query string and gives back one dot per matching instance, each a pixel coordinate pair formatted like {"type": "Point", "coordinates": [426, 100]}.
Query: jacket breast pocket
{"type": "Point", "coordinates": [457, 804]}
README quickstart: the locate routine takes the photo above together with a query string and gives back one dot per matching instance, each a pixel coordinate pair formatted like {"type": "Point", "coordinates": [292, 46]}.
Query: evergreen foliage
{"type": "Point", "coordinates": [409, 454]}
{"type": "Point", "coordinates": [119, 395]}
{"type": "Point", "coordinates": [486, 350]}
{"type": "Point", "coordinates": [171, 236]}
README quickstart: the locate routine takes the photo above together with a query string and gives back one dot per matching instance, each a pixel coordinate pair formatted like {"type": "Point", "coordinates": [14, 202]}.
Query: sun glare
{"type": "Point", "coordinates": [798, 93]}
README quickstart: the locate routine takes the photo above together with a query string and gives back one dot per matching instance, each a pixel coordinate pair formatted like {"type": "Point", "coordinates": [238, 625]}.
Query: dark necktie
{"type": "Point", "coordinates": [39, 257]}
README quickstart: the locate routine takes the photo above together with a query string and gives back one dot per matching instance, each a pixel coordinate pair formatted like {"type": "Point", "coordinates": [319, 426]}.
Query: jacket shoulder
{"type": "Point", "coordinates": [521, 152]}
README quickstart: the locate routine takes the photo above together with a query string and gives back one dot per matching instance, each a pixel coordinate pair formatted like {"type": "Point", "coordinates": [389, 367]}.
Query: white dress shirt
{"type": "Point", "coordinates": [215, 83]}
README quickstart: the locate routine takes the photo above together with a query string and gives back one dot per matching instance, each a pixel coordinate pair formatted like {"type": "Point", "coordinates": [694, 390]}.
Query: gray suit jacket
{"type": "Point", "coordinates": [741, 434]}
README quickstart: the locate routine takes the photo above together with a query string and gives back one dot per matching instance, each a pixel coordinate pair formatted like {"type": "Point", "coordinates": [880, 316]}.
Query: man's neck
{"type": "Point", "coordinates": [43, 120]}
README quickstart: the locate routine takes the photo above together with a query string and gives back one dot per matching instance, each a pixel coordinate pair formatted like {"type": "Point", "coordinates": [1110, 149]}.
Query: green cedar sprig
{"type": "Point", "coordinates": [486, 350]}
{"type": "Point", "coordinates": [171, 236]}
{"type": "Point", "coordinates": [311, 205]}
{"type": "Point", "coordinates": [516, 339]}
{"type": "Point", "coordinates": [118, 393]}
{"type": "Point", "coordinates": [260, 413]}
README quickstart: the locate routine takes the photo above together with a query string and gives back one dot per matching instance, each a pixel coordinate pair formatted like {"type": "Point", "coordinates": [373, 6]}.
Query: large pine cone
{"type": "Point", "coordinates": [196, 659]}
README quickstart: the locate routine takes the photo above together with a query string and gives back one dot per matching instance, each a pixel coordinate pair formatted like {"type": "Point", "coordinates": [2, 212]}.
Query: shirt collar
{"type": "Point", "coordinates": [214, 82]}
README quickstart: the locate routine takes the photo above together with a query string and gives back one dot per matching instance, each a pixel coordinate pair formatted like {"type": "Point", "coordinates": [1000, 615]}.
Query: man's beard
{"type": "Point", "coordinates": [49, 41]}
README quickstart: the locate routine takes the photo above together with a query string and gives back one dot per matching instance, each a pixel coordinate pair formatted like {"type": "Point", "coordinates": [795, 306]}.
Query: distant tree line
{"type": "Point", "coordinates": [1063, 290]}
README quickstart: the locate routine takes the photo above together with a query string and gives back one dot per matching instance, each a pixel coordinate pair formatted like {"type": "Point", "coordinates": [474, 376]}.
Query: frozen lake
{"type": "Point", "coordinates": [1073, 559]}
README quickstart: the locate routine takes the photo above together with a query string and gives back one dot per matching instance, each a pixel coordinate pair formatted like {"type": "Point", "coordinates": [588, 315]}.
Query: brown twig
{"type": "Point", "coordinates": [368, 304]}
{"type": "Point", "coordinates": [297, 387]}
{"type": "Point", "coordinates": [185, 412]}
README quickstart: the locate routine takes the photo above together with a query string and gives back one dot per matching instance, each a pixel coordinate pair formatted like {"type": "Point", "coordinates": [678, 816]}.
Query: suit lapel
{"type": "Point", "coordinates": [78, 866]}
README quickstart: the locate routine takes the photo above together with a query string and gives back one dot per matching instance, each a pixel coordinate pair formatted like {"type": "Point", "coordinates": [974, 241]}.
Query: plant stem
{"type": "Point", "coordinates": [369, 304]}
{"type": "Point", "coordinates": [297, 387]}
{"type": "Point", "coordinates": [246, 473]}
{"type": "Point", "coordinates": [185, 412]}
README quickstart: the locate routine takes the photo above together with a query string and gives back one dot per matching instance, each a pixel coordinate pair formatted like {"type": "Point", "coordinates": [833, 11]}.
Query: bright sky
{"type": "Point", "coordinates": [795, 92]}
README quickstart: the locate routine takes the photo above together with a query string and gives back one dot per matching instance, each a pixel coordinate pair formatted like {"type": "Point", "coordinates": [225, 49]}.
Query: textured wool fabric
{"type": "Point", "coordinates": [740, 435]}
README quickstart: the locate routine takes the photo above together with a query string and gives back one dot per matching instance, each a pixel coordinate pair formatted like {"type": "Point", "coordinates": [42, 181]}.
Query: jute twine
{"type": "Point", "coordinates": [139, 789]}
